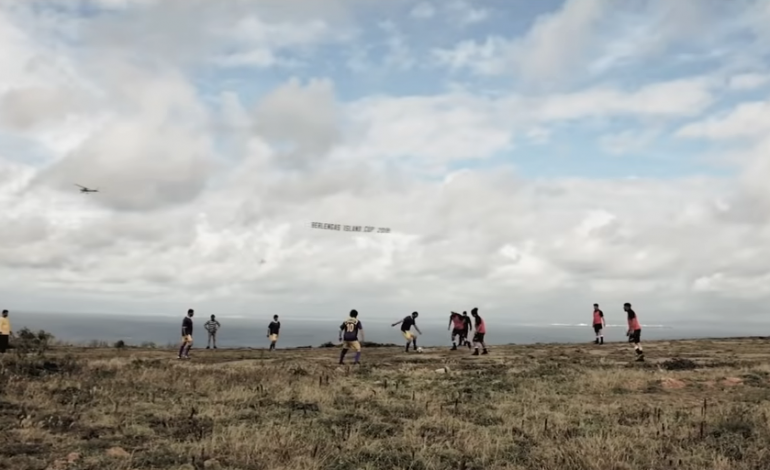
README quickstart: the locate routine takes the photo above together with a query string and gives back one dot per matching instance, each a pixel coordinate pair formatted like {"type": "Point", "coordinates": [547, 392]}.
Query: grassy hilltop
{"type": "Point", "coordinates": [692, 405]}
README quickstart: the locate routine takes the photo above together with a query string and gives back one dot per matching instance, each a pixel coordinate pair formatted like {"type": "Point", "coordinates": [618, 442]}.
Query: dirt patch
{"type": "Point", "coordinates": [732, 381]}
{"type": "Point", "coordinates": [672, 384]}
{"type": "Point", "coordinates": [679, 363]}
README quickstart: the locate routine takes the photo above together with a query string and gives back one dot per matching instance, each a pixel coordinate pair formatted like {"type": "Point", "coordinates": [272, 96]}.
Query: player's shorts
{"type": "Point", "coordinates": [597, 327]}
{"type": "Point", "coordinates": [273, 337]}
{"type": "Point", "coordinates": [636, 336]}
{"type": "Point", "coordinates": [458, 332]}
{"type": "Point", "coordinates": [187, 339]}
{"type": "Point", "coordinates": [354, 345]}
{"type": "Point", "coordinates": [212, 334]}
{"type": "Point", "coordinates": [408, 335]}
{"type": "Point", "coordinates": [478, 337]}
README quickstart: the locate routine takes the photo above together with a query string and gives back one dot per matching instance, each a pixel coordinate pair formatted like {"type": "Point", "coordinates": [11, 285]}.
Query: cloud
{"type": "Point", "coordinates": [555, 43]}
{"type": "Point", "coordinates": [746, 120]}
{"type": "Point", "coordinates": [748, 81]}
{"type": "Point", "coordinates": [423, 11]}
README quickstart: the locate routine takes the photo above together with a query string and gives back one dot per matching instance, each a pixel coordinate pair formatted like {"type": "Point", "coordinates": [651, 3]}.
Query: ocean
{"type": "Point", "coordinates": [249, 332]}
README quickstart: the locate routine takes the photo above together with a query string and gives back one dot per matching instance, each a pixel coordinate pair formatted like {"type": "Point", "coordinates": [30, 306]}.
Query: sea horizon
{"type": "Point", "coordinates": [241, 332]}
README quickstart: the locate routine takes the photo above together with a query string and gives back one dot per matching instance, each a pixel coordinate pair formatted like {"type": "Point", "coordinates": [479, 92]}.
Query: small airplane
{"type": "Point", "coordinates": [83, 189]}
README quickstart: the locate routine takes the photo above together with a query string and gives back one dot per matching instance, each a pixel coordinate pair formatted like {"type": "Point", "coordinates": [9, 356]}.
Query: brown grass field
{"type": "Point", "coordinates": [691, 405]}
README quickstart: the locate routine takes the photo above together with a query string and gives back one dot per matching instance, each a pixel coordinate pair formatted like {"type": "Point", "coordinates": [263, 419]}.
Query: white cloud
{"type": "Point", "coordinates": [748, 81]}
{"type": "Point", "coordinates": [423, 11]}
{"type": "Point", "coordinates": [746, 120]}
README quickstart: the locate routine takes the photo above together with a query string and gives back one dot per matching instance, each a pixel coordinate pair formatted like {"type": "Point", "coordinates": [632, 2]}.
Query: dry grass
{"type": "Point", "coordinates": [527, 407]}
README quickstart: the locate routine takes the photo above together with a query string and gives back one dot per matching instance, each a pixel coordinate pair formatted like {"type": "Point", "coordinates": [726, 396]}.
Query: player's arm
{"type": "Point", "coordinates": [417, 328]}
{"type": "Point", "coordinates": [361, 332]}
{"type": "Point", "coordinates": [342, 328]}
{"type": "Point", "coordinates": [268, 331]}
{"type": "Point", "coordinates": [451, 317]}
{"type": "Point", "coordinates": [604, 323]}
{"type": "Point", "coordinates": [219, 325]}
{"type": "Point", "coordinates": [398, 322]}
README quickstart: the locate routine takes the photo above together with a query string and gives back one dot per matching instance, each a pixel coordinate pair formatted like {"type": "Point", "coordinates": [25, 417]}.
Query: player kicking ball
{"type": "Point", "coordinates": [457, 325]}
{"type": "Point", "coordinates": [349, 331]}
{"type": "Point", "coordinates": [407, 323]}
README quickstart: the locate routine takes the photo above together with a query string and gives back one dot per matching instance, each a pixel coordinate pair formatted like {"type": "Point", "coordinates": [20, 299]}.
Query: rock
{"type": "Point", "coordinates": [212, 464]}
{"type": "Point", "coordinates": [118, 452]}
{"type": "Point", "coordinates": [73, 457]}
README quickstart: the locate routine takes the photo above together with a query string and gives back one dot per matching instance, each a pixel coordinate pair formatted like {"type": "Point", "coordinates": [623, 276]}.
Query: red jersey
{"type": "Point", "coordinates": [598, 316]}
{"type": "Point", "coordinates": [481, 327]}
{"type": "Point", "coordinates": [633, 321]}
{"type": "Point", "coordinates": [457, 322]}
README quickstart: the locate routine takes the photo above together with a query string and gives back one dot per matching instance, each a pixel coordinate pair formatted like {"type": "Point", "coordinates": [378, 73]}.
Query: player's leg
{"type": "Point", "coordinates": [596, 333]}
{"type": "Point", "coordinates": [454, 338]}
{"type": "Point", "coordinates": [345, 347]}
{"type": "Point", "coordinates": [637, 336]}
{"type": "Point", "coordinates": [214, 339]}
{"type": "Point", "coordinates": [408, 337]}
{"type": "Point", "coordinates": [208, 343]}
{"type": "Point", "coordinates": [356, 346]}
{"type": "Point", "coordinates": [483, 344]}
{"type": "Point", "coordinates": [182, 346]}
{"type": "Point", "coordinates": [414, 342]}
{"type": "Point", "coordinates": [476, 344]}
{"type": "Point", "coordinates": [189, 346]}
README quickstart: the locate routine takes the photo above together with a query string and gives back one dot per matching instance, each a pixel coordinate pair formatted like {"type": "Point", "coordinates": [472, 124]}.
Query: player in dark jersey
{"type": "Point", "coordinates": [598, 322]}
{"type": "Point", "coordinates": [467, 327]}
{"type": "Point", "coordinates": [349, 333]}
{"type": "Point", "coordinates": [407, 323]}
{"type": "Point", "coordinates": [272, 331]}
{"type": "Point", "coordinates": [187, 339]}
{"type": "Point", "coordinates": [456, 324]}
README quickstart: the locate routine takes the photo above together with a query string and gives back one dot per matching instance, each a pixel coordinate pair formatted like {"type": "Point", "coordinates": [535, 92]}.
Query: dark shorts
{"type": "Point", "coordinates": [459, 332]}
{"type": "Point", "coordinates": [597, 327]}
{"type": "Point", "coordinates": [478, 337]}
{"type": "Point", "coordinates": [636, 336]}
{"type": "Point", "coordinates": [4, 340]}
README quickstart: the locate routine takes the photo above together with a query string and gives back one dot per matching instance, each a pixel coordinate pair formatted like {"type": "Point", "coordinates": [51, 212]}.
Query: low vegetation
{"type": "Point", "coordinates": [691, 405]}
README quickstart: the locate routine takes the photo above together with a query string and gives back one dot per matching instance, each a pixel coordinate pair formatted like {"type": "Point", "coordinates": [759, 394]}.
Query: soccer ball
{"type": "Point", "coordinates": [419, 350]}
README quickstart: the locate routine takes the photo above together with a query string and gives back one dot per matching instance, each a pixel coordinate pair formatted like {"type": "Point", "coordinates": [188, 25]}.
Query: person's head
{"type": "Point", "coordinates": [190, 313]}
{"type": "Point", "coordinates": [626, 306]}
{"type": "Point", "coordinates": [415, 314]}
{"type": "Point", "coordinates": [596, 306]}
{"type": "Point", "coordinates": [213, 317]}
{"type": "Point", "coordinates": [465, 314]}
{"type": "Point", "coordinates": [475, 312]}
{"type": "Point", "coordinates": [5, 313]}
{"type": "Point", "coordinates": [354, 313]}
{"type": "Point", "coordinates": [275, 317]}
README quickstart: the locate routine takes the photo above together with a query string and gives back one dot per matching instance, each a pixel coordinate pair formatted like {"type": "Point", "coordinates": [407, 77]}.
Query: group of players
{"type": "Point", "coordinates": [634, 331]}
{"type": "Point", "coordinates": [351, 332]}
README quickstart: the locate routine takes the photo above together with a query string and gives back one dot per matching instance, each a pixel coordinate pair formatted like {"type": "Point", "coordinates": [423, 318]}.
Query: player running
{"type": "Point", "coordinates": [467, 327]}
{"type": "Point", "coordinates": [187, 339]}
{"type": "Point", "coordinates": [349, 331]}
{"type": "Point", "coordinates": [634, 330]}
{"type": "Point", "coordinates": [272, 331]}
{"type": "Point", "coordinates": [407, 323]}
{"type": "Point", "coordinates": [598, 325]}
{"type": "Point", "coordinates": [457, 324]}
{"type": "Point", "coordinates": [481, 330]}
{"type": "Point", "coordinates": [212, 326]}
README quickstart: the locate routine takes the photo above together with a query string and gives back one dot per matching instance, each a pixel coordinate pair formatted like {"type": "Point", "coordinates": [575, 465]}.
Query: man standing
{"type": "Point", "coordinates": [272, 331]}
{"type": "Point", "coordinates": [481, 330]}
{"type": "Point", "coordinates": [598, 324]}
{"type": "Point", "coordinates": [456, 323]}
{"type": "Point", "coordinates": [634, 330]}
{"type": "Point", "coordinates": [212, 326]}
{"type": "Point", "coordinates": [349, 331]}
{"type": "Point", "coordinates": [187, 338]}
{"type": "Point", "coordinates": [5, 332]}
{"type": "Point", "coordinates": [407, 323]}
{"type": "Point", "coordinates": [467, 327]}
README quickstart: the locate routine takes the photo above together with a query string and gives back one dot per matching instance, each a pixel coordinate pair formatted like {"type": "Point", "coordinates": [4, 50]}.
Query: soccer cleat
{"type": "Point", "coordinates": [601, 340]}
{"type": "Point", "coordinates": [596, 341]}
{"type": "Point", "coordinates": [208, 347]}
{"type": "Point", "coordinates": [485, 352]}
{"type": "Point", "coordinates": [476, 352]}
{"type": "Point", "coordinates": [454, 347]}
{"type": "Point", "coordinates": [639, 352]}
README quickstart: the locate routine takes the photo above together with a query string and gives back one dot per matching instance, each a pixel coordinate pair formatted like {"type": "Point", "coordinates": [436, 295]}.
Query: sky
{"type": "Point", "coordinates": [529, 158]}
